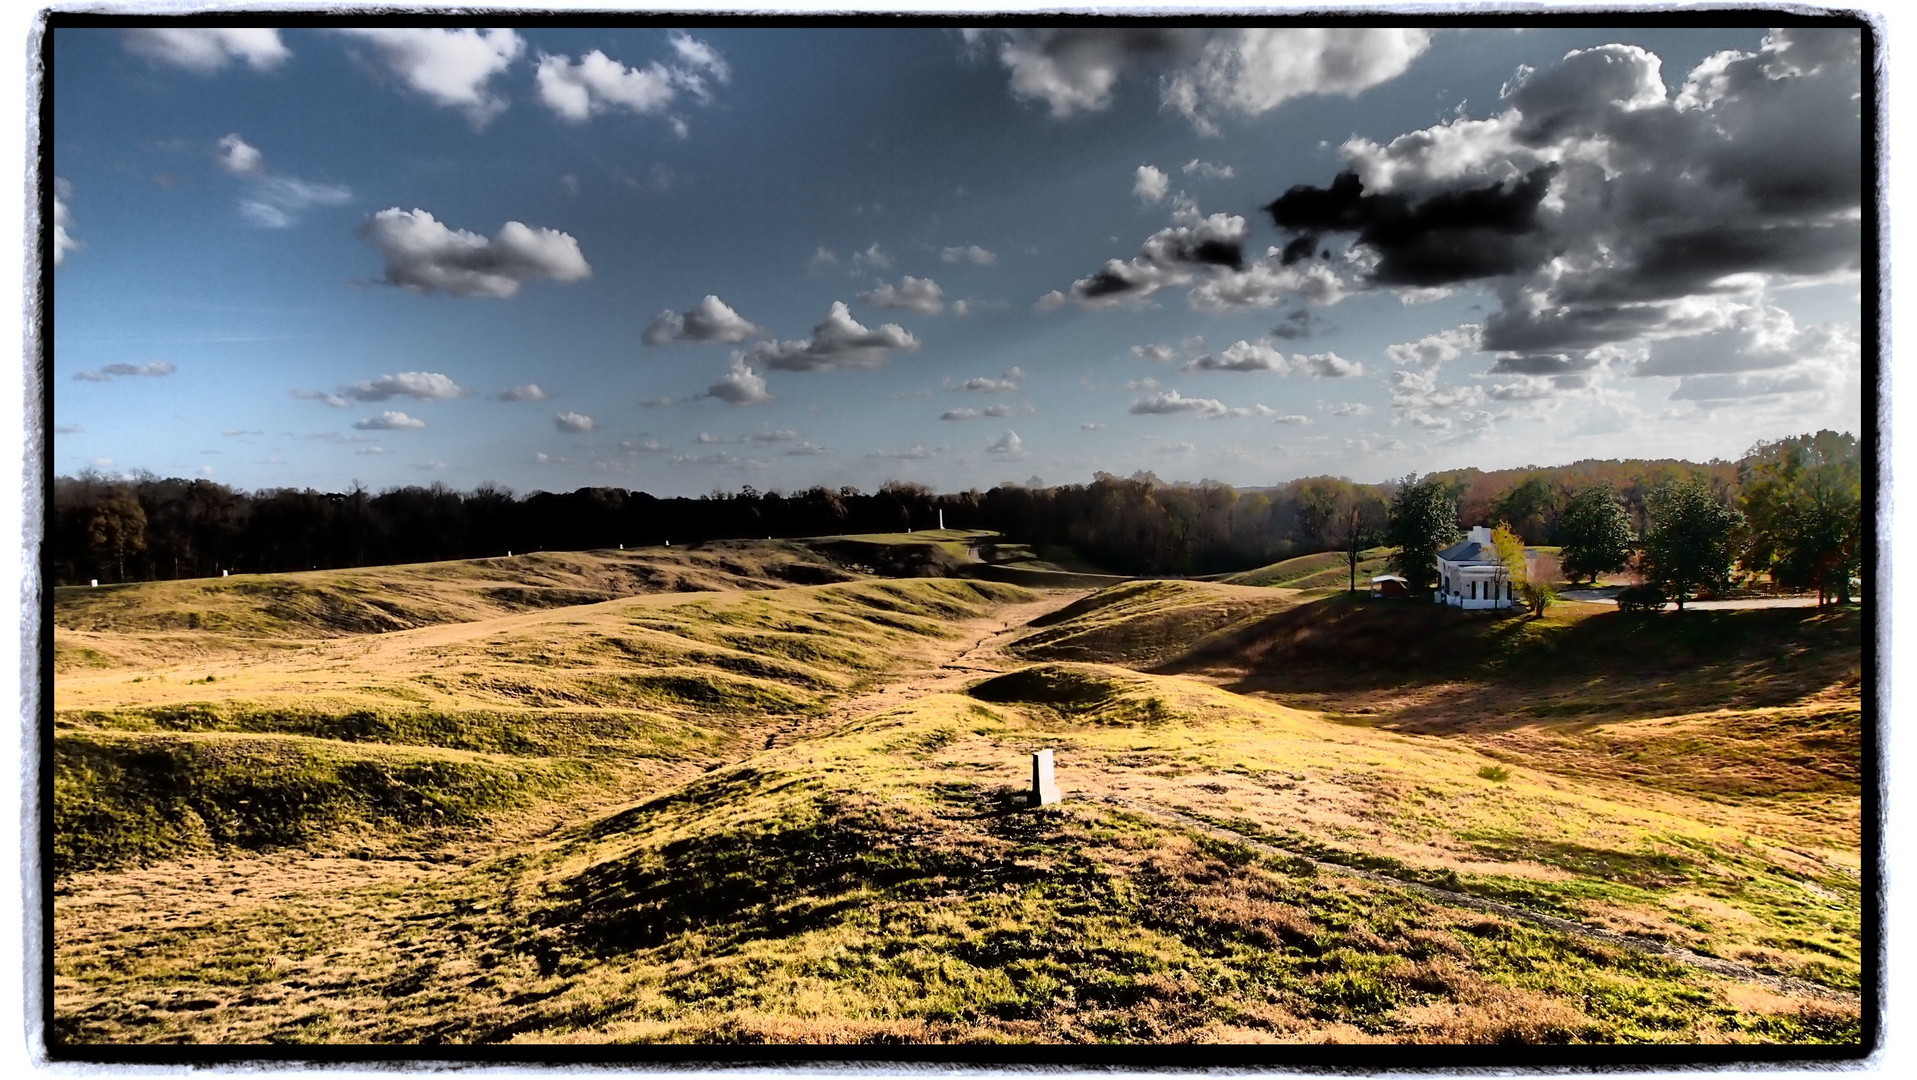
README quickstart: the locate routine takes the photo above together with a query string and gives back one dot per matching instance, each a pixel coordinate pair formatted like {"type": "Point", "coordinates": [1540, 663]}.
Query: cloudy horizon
{"type": "Point", "coordinates": [687, 260]}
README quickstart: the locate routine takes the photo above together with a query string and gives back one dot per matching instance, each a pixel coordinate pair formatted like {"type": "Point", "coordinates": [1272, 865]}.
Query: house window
{"type": "Point", "coordinates": [1474, 590]}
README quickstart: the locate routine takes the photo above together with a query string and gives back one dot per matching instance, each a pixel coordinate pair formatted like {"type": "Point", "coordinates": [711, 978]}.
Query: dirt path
{"type": "Point", "coordinates": [979, 651]}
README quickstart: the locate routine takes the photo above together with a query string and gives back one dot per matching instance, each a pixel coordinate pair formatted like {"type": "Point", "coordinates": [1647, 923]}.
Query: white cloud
{"type": "Point", "coordinates": [807, 449]}
{"type": "Point", "coordinates": [333, 400]}
{"type": "Point", "coordinates": [1205, 170]}
{"type": "Point", "coordinates": [1090, 426]}
{"type": "Point", "coordinates": [427, 257]}
{"type": "Point", "coordinates": [960, 414]}
{"type": "Point", "coordinates": [206, 49]}
{"type": "Point", "coordinates": [419, 385]}
{"type": "Point", "coordinates": [389, 421]}
{"type": "Point", "coordinates": [1007, 446]}
{"type": "Point", "coordinates": [1168, 258]}
{"type": "Point", "coordinates": [1155, 352]}
{"type": "Point", "coordinates": [151, 369]}
{"type": "Point", "coordinates": [872, 258]}
{"type": "Point", "coordinates": [1172, 403]}
{"type": "Point", "coordinates": [1150, 184]}
{"type": "Point", "coordinates": [971, 253]}
{"type": "Point", "coordinates": [647, 445]}
{"type": "Point", "coordinates": [1252, 71]}
{"type": "Point", "coordinates": [1351, 408]}
{"type": "Point", "coordinates": [1266, 283]}
{"type": "Point", "coordinates": [1004, 384]}
{"type": "Point", "coordinates": [821, 259]}
{"type": "Point", "coordinates": [576, 90]}
{"type": "Point", "coordinates": [429, 466]}
{"type": "Point", "coordinates": [1202, 71]}
{"type": "Point", "coordinates": [1430, 352]}
{"type": "Point", "coordinates": [1293, 418]}
{"type": "Point", "coordinates": [711, 319]}
{"type": "Point", "coordinates": [576, 423]}
{"type": "Point", "coordinates": [1242, 356]}
{"type": "Point", "coordinates": [240, 157]}
{"type": "Point", "coordinates": [1327, 365]}
{"type": "Point", "coordinates": [369, 450]}
{"type": "Point", "coordinates": [63, 240]}
{"type": "Point", "coordinates": [452, 68]}
{"type": "Point", "coordinates": [528, 392]}
{"type": "Point", "coordinates": [277, 201]}
{"type": "Point", "coordinates": [917, 452]}
{"type": "Point", "coordinates": [922, 295]}
{"type": "Point", "coordinates": [740, 385]}
{"type": "Point", "coordinates": [838, 342]}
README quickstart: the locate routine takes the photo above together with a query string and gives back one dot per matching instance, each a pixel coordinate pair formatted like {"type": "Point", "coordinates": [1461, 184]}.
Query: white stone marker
{"type": "Point", "coordinates": [222, 573]}
{"type": "Point", "coordinates": [1044, 788]}
{"type": "Point", "coordinates": [93, 583]}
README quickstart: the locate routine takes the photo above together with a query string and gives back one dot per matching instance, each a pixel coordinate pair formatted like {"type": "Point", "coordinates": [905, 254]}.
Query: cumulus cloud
{"type": "Point", "coordinates": [922, 295]}
{"type": "Point", "coordinates": [644, 445]}
{"type": "Point", "coordinates": [960, 414]}
{"type": "Point", "coordinates": [1202, 72]}
{"type": "Point", "coordinates": [240, 157]}
{"type": "Point", "coordinates": [1603, 208]}
{"type": "Point", "coordinates": [1292, 418]}
{"type": "Point", "coordinates": [150, 369]}
{"type": "Point", "coordinates": [418, 385]}
{"type": "Point", "coordinates": [1169, 258]}
{"type": "Point", "coordinates": [872, 258]}
{"type": "Point", "coordinates": [576, 90]}
{"type": "Point", "coordinates": [1150, 184]}
{"type": "Point", "coordinates": [711, 319]}
{"type": "Point", "coordinates": [1004, 384]}
{"type": "Point", "coordinates": [448, 67]}
{"type": "Point", "coordinates": [1007, 446]}
{"type": "Point", "coordinates": [971, 253]}
{"type": "Point", "coordinates": [572, 422]}
{"type": "Point", "coordinates": [1432, 351]}
{"type": "Point", "coordinates": [389, 421]}
{"type": "Point", "coordinates": [1351, 408]}
{"type": "Point", "coordinates": [1756, 338]}
{"type": "Point", "coordinates": [425, 256]}
{"type": "Point", "coordinates": [838, 342]}
{"type": "Point", "coordinates": [206, 49]}
{"type": "Point", "coordinates": [1205, 170]}
{"type": "Point", "coordinates": [740, 385]}
{"type": "Point", "coordinates": [1172, 403]}
{"type": "Point", "coordinates": [528, 392]}
{"type": "Point", "coordinates": [63, 240]}
{"type": "Point", "coordinates": [1250, 356]}
{"type": "Point", "coordinates": [1155, 352]}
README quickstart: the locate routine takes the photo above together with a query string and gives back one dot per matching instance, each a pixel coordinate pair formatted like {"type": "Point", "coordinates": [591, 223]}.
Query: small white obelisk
{"type": "Point", "coordinates": [941, 517]}
{"type": "Point", "coordinates": [1044, 787]}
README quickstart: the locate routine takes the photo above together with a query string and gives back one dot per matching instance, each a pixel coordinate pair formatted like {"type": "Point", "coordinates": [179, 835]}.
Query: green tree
{"type": "Point", "coordinates": [1597, 533]}
{"type": "Point", "coordinates": [1803, 499]}
{"type": "Point", "coordinates": [116, 528]}
{"type": "Point", "coordinates": [1694, 536]}
{"type": "Point", "coordinates": [1537, 595]}
{"type": "Point", "coordinates": [1423, 518]}
{"type": "Point", "coordinates": [1532, 507]}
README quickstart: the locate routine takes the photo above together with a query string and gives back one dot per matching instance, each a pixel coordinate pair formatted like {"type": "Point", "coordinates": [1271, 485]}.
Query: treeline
{"type": "Point", "coordinates": [149, 527]}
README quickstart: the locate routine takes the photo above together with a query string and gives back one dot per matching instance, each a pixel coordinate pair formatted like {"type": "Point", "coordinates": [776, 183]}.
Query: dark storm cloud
{"type": "Point", "coordinates": [1606, 206]}
{"type": "Point", "coordinates": [1544, 364]}
{"type": "Point", "coordinates": [1453, 236]}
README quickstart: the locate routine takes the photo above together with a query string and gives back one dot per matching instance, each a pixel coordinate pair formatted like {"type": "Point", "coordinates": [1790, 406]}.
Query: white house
{"type": "Point", "coordinates": [1470, 575]}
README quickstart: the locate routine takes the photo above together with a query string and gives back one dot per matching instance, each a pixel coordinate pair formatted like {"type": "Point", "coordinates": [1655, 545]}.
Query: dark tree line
{"type": "Point", "coordinates": [151, 527]}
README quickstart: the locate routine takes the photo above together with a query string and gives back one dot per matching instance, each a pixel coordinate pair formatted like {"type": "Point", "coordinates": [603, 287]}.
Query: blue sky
{"type": "Point", "coordinates": [785, 257]}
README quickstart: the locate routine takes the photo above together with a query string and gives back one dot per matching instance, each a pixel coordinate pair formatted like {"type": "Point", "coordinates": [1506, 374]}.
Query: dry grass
{"type": "Point", "coordinates": [798, 818]}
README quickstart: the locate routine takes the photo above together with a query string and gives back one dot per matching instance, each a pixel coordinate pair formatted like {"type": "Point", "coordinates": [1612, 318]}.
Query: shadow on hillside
{"type": "Point", "coordinates": [1420, 665]}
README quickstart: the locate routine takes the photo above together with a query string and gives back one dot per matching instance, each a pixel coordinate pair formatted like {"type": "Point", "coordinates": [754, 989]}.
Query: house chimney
{"type": "Point", "coordinates": [1480, 534]}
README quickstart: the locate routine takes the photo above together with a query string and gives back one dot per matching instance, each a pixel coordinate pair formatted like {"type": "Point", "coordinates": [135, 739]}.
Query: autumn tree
{"type": "Point", "coordinates": [116, 528]}
{"type": "Point", "coordinates": [1803, 498]}
{"type": "Point", "coordinates": [1423, 518]}
{"type": "Point", "coordinates": [1597, 532]}
{"type": "Point", "coordinates": [1693, 536]}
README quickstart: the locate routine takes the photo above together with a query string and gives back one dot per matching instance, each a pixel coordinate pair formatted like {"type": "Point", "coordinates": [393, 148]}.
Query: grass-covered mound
{"type": "Point", "coordinates": [648, 685]}
{"type": "Point", "coordinates": [1143, 623]}
{"type": "Point", "coordinates": [1323, 570]}
{"type": "Point", "coordinates": [381, 599]}
{"type": "Point", "coordinates": [121, 798]}
{"type": "Point", "coordinates": [885, 884]}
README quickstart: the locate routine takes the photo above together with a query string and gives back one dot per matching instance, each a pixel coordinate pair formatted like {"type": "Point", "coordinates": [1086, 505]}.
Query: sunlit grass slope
{"type": "Point", "coordinates": [1143, 623]}
{"type": "Point", "coordinates": [1326, 569]}
{"type": "Point", "coordinates": [477, 716]}
{"type": "Point", "coordinates": [882, 883]}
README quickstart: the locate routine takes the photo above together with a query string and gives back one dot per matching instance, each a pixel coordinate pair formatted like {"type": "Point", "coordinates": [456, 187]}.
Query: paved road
{"type": "Point", "coordinates": [1588, 597]}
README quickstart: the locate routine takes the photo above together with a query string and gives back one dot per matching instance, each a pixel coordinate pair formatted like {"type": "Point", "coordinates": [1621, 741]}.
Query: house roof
{"type": "Point", "coordinates": [1469, 551]}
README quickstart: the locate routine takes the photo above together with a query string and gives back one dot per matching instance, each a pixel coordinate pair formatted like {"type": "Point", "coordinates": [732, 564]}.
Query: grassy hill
{"type": "Point", "coordinates": [1324, 570]}
{"type": "Point", "coordinates": [795, 813]}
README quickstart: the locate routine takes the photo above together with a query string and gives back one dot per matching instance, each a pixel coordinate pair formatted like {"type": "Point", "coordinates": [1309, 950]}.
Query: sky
{"type": "Point", "coordinates": [687, 259]}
